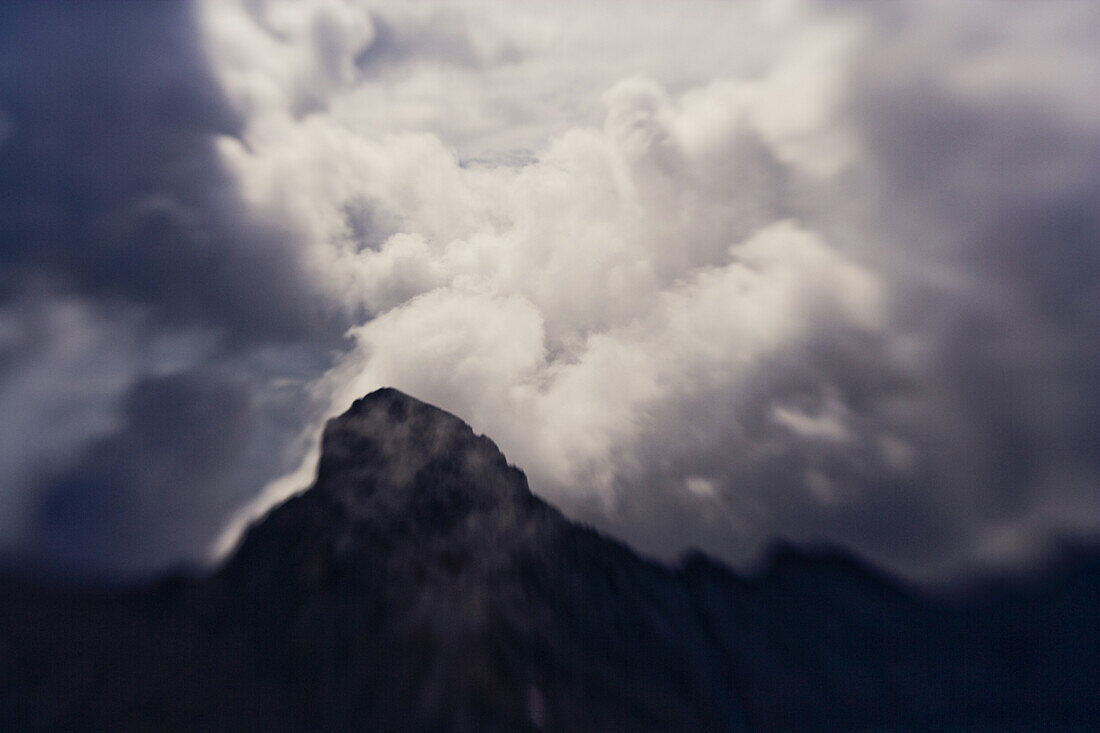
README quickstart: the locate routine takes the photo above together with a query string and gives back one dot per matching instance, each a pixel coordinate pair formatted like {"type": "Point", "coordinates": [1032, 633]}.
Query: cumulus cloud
{"type": "Point", "coordinates": [780, 273]}
{"type": "Point", "coordinates": [711, 273]}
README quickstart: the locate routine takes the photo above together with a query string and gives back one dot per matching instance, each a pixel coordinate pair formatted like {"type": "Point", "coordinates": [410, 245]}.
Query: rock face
{"type": "Point", "coordinates": [430, 587]}
{"type": "Point", "coordinates": [419, 585]}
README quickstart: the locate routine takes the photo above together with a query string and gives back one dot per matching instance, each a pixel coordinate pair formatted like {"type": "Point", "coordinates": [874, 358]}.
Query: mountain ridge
{"type": "Point", "coordinates": [420, 585]}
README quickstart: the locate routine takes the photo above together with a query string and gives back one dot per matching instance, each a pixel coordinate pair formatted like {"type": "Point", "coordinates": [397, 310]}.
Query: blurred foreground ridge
{"type": "Point", "coordinates": [419, 585]}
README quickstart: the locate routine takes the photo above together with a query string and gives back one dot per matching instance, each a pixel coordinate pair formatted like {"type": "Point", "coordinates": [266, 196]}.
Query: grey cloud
{"type": "Point", "coordinates": [1001, 191]}
{"type": "Point", "coordinates": [441, 36]}
{"type": "Point", "coordinates": [139, 293]}
{"type": "Point", "coordinates": [112, 185]}
{"type": "Point", "coordinates": [157, 489]}
{"type": "Point", "coordinates": [984, 224]}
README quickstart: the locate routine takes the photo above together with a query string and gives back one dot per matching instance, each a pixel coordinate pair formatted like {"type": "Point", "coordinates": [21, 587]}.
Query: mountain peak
{"type": "Point", "coordinates": [391, 452]}
{"type": "Point", "coordinates": [419, 586]}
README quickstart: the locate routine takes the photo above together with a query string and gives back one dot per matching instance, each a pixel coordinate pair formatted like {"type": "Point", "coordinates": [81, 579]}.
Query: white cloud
{"type": "Point", "coordinates": [701, 239]}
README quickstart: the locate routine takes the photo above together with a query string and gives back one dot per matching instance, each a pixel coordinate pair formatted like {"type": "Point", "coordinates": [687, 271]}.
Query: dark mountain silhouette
{"type": "Point", "coordinates": [419, 585]}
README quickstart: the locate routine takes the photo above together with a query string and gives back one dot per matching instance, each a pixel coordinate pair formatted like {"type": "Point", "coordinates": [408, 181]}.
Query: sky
{"type": "Point", "coordinates": [713, 274]}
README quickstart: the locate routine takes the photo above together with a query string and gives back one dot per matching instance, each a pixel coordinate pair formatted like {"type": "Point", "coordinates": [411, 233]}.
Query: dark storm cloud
{"type": "Point", "coordinates": [1001, 194]}
{"type": "Point", "coordinates": [142, 300]}
{"type": "Point", "coordinates": [156, 487]}
{"type": "Point", "coordinates": [111, 184]}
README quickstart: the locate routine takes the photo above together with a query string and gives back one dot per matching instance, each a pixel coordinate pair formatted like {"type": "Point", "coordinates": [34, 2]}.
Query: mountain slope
{"type": "Point", "coordinates": [419, 585]}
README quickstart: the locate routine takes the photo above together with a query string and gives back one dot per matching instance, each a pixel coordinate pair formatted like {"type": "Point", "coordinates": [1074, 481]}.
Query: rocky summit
{"type": "Point", "coordinates": [419, 585]}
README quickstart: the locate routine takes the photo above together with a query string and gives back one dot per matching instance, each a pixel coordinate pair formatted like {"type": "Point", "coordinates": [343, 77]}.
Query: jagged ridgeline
{"type": "Point", "coordinates": [419, 585]}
